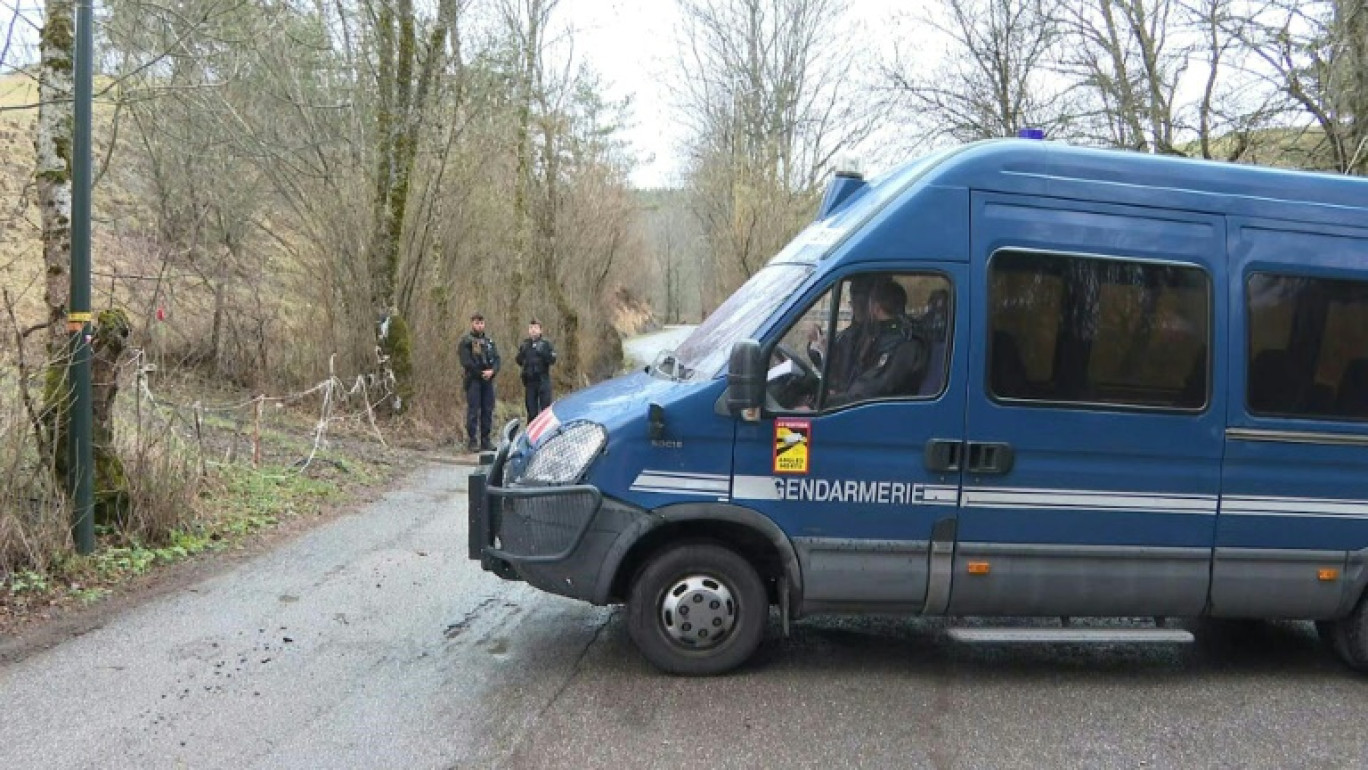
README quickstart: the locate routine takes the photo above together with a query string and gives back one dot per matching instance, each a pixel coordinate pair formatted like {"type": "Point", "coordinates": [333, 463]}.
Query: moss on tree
{"type": "Point", "coordinates": [111, 482]}
{"type": "Point", "coordinates": [397, 345]}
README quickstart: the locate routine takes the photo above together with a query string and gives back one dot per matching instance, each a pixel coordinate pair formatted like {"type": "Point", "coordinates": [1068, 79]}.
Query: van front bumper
{"type": "Point", "coordinates": [556, 538]}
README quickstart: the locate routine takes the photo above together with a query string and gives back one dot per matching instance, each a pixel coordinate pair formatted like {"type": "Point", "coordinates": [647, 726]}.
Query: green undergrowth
{"type": "Point", "coordinates": [236, 503]}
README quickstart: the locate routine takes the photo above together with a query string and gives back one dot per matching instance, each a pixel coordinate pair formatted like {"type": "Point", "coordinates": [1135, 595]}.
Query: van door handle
{"type": "Point", "coordinates": [990, 458]}
{"type": "Point", "coordinates": [944, 455]}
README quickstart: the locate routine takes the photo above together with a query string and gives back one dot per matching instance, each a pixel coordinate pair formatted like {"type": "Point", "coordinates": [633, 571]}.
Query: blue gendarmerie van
{"type": "Point", "coordinates": [1013, 378]}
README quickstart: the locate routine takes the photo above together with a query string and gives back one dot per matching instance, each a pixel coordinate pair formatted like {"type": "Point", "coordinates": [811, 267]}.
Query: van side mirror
{"type": "Point", "coordinates": [745, 377]}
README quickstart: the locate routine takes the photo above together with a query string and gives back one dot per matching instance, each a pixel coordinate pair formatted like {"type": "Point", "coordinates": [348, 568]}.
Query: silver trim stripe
{"type": "Point", "coordinates": [693, 484]}
{"type": "Point", "coordinates": [1296, 437]}
{"type": "Point", "coordinates": [1294, 506]}
{"type": "Point", "coordinates": [936, 494]}
{"type": "Point", "coordinates": [764, 488]}
{"type": "Point", "coordinates": [1089, 499]}
{"type": "Point", "coordinates": [755, 488]}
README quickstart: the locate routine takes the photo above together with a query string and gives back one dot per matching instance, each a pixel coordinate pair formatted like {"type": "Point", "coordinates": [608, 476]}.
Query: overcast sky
{"type": "Point", "coordinates": [633, 45]}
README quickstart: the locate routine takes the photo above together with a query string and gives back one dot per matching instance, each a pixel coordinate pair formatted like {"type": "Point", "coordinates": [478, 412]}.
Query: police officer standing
{"type": "Point", "coordinates": [535, 356]}
{"type": "Point", "coordinates": [480, 361]}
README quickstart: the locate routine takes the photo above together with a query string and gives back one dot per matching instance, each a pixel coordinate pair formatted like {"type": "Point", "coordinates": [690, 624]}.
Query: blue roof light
{"type": "Point", "coordinates": [1031, 133]}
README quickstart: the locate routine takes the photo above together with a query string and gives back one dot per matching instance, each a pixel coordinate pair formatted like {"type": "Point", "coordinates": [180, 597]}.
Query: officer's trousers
{"type": "Point", "coordinates": [538, 395]}
{"type": "Point", "coordinates": [479, 409]}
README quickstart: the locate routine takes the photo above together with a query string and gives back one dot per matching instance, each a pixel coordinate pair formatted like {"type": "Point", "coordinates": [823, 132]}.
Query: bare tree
{"type": "Point", "coordinates": [994, 80]}
{"type": "Point", "coordinates": [1315, 54]}
{"type": "Point", "coordinates": [1125, 59]}
{"type": "Point", "coordinates": [405, 71]}
{"type": "Point", "coordinates": [767, 86]}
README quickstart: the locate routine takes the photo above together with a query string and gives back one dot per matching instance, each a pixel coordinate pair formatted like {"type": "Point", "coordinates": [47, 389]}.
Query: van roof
{"type": "Point", "coordinates": [1059, 170]}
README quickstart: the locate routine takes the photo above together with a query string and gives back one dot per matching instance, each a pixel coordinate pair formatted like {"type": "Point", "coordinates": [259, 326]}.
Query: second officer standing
{"type": "Point", "coordinates": [535, 356]}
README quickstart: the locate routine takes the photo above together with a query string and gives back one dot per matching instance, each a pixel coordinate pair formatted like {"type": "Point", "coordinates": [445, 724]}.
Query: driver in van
{"type": "Point", "coordinates": [849, 341]}
{"type": "Point", "coordinates": [893, 358]}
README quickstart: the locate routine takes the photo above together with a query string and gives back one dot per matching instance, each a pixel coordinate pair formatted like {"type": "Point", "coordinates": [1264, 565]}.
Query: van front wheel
{"type": "Point", "coordinates": [1348, 637]}
{"type": "Point", "coordinates": [697, 610]}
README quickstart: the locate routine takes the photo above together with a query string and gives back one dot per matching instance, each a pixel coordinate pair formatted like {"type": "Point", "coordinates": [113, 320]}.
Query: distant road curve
{"type": "Point", "coordinates": [641, 350]}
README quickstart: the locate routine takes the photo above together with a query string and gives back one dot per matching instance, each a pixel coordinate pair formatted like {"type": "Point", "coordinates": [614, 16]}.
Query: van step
{"type": "Point", "coordinates": [1073, 635]}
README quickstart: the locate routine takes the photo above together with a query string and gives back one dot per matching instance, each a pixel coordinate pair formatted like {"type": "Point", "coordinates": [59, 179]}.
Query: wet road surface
{"type": "Point", "coordinates": [372, 642]}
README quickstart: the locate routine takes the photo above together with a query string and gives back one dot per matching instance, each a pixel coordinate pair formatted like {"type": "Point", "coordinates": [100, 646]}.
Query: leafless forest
{"type": "Point", "coordinates": [300, 204]}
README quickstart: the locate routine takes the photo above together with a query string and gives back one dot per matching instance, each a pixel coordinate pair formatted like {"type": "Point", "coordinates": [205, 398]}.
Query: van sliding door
{"type": "Point", "coordinates": [1292, 538]}
{"type": "Point", "coordinates": [1094, 435]}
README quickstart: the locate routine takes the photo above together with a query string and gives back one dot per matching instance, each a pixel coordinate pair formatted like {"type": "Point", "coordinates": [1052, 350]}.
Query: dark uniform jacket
{"type": "Point", "coordinates": [845, 351]}
{"type": "Point", "coordinates": [535, 357]}
{"type": "Point", "coordinates": [893, 365]}
{"type": "Point", "coordinates": [478, 353]}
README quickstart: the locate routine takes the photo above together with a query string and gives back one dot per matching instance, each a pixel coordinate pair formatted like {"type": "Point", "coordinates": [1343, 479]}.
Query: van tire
{"type": "Point", "coordinates": [1330, 640]}
{"type": "Point", "coordinates": [1348, 637]}
{"type": "Point", "coordinates": [697, 576]}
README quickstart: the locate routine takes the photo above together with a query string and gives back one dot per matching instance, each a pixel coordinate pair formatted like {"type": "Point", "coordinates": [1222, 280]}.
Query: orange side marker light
{"type": "Point", "coordinates": [979, 568]}
{"type": "Point", "coordinates": [1328, 575]}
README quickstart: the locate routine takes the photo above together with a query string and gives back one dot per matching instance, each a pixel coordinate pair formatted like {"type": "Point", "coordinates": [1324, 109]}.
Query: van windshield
{"type": "Point", "coordinates": [705, 352]}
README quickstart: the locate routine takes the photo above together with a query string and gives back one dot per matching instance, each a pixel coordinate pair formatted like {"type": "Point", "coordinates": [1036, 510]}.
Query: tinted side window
{"type": "Point", "coordinates": [1307, 347]}
{"type": "Point", "coordinates": [873, 336]}
{"type": "Point", "coordinates": [1092, 331]}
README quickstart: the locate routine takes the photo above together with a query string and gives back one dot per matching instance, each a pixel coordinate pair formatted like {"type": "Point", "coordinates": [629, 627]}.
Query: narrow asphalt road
{"type": "Point", "coordinates": [642, 350]}
{"type": "Point", "coordinates": [371, 642]}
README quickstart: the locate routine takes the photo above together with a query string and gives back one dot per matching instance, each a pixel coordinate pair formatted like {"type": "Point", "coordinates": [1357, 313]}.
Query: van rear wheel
{"type": "Point", "coordinates": [1348, 637]}
{"type": "Point", "coordinates": [697, 610]}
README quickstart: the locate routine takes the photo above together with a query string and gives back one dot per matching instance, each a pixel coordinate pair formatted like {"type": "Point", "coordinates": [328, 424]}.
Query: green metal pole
{"type": "Point", "coordinates": [78, 314]}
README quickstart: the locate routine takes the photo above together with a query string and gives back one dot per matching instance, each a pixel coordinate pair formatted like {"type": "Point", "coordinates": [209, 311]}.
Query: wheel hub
{"type": "Point", "coordinates": [698, 612]}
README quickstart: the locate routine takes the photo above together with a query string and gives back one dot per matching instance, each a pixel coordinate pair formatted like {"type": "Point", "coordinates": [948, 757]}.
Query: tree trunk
{"type": "Point", "coordinates": [111, 483]}
{"type": "Point", "coordinates": [400, 116]}
{"type": "Point", "coordinates": [523, 167]}
{"type": "Point", "coordinates": [53, 176]}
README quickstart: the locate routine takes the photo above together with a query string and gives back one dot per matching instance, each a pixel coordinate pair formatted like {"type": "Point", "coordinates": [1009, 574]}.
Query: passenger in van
{"type": "Point", "coordinates": [934, 325]}
{"type": "Point", "coordinates": [893, 361]}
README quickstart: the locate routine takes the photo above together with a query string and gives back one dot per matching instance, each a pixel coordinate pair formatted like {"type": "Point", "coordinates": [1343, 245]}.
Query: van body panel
{"type": "Point", "coordinates": [1089, 475]}
{"type": "Point", "coordinates": [1054, 579]}
{"type": "Point", "coordinates": [1293, 496]}
{"type": "Point", "coordinates": [1037, 169]}
{"type": "Point", "coordinates": [690, 460]}
{"type": "Point", "coordinates": [929, 224]}
{"type": "Point", "coordinates": [1277, 583]}
{"type": "Point", "coordinates": [862, 575]}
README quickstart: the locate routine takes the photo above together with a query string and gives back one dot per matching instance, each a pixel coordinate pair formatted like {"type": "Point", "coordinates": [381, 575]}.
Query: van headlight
{"type": "Point", "coordinates": [565, 457]}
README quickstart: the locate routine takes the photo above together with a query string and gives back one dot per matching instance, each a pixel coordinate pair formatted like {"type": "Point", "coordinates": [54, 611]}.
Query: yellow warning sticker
{"type": "Point", "coordinates": [792, 445]}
